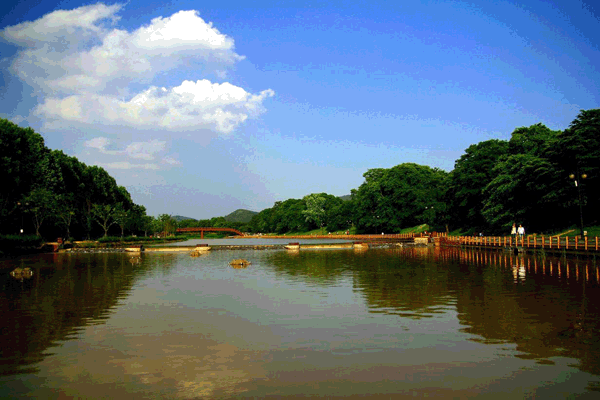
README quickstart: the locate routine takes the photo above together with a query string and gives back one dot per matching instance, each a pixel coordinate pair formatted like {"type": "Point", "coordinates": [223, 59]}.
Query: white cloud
{"type": "Point", "coordinates": [200, 104]}
{"type": "Point", "coordinates": [61, 25]}
{"type": "Point", "coordinates": [182, 31]}
{"type": "Point", "coordinates": [86, 70]}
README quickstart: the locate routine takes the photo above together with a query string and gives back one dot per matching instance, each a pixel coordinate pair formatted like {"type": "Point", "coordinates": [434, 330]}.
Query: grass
{"type": "Point", "coordinates": [415, 229]}
{"type": "Point", "coordinates": [592, 231]}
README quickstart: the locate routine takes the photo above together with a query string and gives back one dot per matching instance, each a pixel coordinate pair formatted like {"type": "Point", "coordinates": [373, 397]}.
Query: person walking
{"type": "Point", "coordinates": [521, 232]}
{"type": "Point", "coordinates": [513, 231]}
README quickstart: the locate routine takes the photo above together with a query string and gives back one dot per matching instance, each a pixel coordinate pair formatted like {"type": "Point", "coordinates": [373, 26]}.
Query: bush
{"type": "Point", "coordinates": [10, 241]}
{"type": "Point", "coordinates": [109, 239]}
{"type": "Point", "coordinates": [18, 244]}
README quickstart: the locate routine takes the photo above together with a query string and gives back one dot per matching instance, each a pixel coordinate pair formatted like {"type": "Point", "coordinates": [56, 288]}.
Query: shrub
{"type": "Point", "coordinates": [10, 241]}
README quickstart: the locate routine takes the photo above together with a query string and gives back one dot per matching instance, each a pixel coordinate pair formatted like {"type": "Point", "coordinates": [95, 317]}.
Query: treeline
{"type": "Point", "coordinates": [538, 178]}
{"type": "Point", "coordinates": [49, 194]}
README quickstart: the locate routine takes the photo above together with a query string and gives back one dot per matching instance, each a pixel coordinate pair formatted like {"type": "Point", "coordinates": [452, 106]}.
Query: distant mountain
{"type": "Point", "coordinates": [240, 216]}
{"type": "Point", "coordinates": [180, 218]}
{"type": "Point", "coordinates": [347, 197]}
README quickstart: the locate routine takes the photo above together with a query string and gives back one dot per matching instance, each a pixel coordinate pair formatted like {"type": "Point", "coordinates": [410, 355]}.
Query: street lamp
{"type": "Point", "coordinates": [575, 177]}
{"type": "Point", "coordinates": [21, 207]}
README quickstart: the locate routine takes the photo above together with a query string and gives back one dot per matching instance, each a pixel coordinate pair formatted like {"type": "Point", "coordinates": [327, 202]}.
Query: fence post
{"type": "Point", "coordinates": [586, 242]}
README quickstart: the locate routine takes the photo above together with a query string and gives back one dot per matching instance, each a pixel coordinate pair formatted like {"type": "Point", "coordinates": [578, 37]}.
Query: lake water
{"type": "Point", "coordinates": [385, 323]}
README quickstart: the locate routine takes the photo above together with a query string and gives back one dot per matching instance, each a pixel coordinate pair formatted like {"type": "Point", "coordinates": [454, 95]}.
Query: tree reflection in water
{"type": "Point", "coordinates": [542, 304]}
{"type": "Point", "coordinates": [544, 308]}
{"type": "Point", "coordinates": [67, 292]}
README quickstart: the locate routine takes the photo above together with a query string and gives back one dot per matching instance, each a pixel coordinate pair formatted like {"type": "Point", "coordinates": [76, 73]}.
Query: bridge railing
{"type": "Point", "coordinates": [530, 241]}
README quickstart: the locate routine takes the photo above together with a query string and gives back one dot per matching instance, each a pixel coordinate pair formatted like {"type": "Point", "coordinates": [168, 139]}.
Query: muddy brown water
{"type": "Point", "coordinates": [382, 323]}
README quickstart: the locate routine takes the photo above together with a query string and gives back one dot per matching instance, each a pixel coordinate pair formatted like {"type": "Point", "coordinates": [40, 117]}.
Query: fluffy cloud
{"type": "Point", "coordinates": [62, 25]}
{"type": "Point", "coordinates": [86, 68]}
{"type": "Point", "coordinates": [200, 104]}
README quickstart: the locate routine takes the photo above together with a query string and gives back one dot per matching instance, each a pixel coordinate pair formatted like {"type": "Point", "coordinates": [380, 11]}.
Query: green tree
{"type": "Point", "coordinates": [103, 214]}
{"type": "Point", "coordinates": [523, 190]}
{"type": "Point", "coordinates": [315, 209]}
{"type": "Point", "coordinates": [121, 217]}
{"type": "Point", "coordinates": [577, 153]}
{"type": "Point", "coordinates": [167, 224]}
{"type": "Point", "coordinates": [21, 154]}
{"type": "Point", "coordinates": [42, 204]}
{"type": "Point", "coordinates": [341, 216]}
{"type": "Point", "coordinates": [391, 199]}
{"type": "Point", "coordinates": [521, 193]}
{"type": "Point", "coordinates": [473, 171]}
{"type": "Point", "coordinates": [65, 212]}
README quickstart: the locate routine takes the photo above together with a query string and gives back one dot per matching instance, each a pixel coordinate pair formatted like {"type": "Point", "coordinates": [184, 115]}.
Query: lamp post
{"type": "Point", "coordinates": [575, 177]}
{"type": "Point", "coordinates": [21, 207]}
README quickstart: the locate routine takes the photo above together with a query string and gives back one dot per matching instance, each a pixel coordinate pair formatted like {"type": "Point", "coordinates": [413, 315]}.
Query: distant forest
{"type": "Point", "coordinates": [539, 178]}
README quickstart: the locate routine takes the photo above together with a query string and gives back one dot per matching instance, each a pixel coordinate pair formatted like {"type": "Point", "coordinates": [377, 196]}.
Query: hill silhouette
{"type": "Point", "coordinates": [240, 215]}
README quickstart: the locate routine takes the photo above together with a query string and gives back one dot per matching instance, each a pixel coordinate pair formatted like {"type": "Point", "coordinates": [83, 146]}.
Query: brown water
{"type": "Point", "coordinates": [386, 323]}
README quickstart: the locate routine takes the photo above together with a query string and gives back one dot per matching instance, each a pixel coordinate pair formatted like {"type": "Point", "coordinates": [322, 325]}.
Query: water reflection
{"type": "Point", "coordinates": [543, 305]}
{"type": "Point", "coordinates": [67, 292]}
{"type": "Point", "coordinates": [327, 323]}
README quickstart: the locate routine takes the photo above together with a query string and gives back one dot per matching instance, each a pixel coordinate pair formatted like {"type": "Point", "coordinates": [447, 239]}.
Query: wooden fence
{"type": "Point", "coordinates": [533, 242]}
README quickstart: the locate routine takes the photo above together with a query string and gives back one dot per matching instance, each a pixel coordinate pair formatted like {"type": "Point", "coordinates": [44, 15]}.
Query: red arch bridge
{"type": "Point", "coordinates": [209, 229]}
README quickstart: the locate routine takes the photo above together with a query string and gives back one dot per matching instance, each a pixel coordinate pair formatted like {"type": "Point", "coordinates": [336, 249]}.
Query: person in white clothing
{"type": "Point", "coordinates": [521, 231]}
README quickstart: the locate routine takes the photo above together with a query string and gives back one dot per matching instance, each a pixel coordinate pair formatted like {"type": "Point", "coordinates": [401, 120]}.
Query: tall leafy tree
{"type": "Point", "coordinates": [65, 211]}
{"type": "Point", "coordinates": [473, 171]}
{"type": "Point", "coordinates": [103, 214]}
{"type": "Point", "coordinates": [523, 188]}
{"type": "Point", "coordinates": [315, 209]}
{"type": "Point", "coordinates": [166, 224]}
{"type": "Point", "coordinates": [577, 153]}
{"type": "Point", "coordinates": [42, 205]}
{"type": "Point", "coordinates": [399, 197]}
{"type": "Point", "coordinates": [341, 216]}
{"type": "Point", "coordinates": [121, 217]}
{"type": "Point", "coordinates": [22, 152]}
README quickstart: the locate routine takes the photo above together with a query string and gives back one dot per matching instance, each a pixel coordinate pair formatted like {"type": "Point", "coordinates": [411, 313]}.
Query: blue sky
{"type": "Point", "coordinates": [200, 109]}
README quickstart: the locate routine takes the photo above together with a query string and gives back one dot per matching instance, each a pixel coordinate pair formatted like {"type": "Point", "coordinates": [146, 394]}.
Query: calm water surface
{"type": "Point", "coordinates": [387, 323]}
